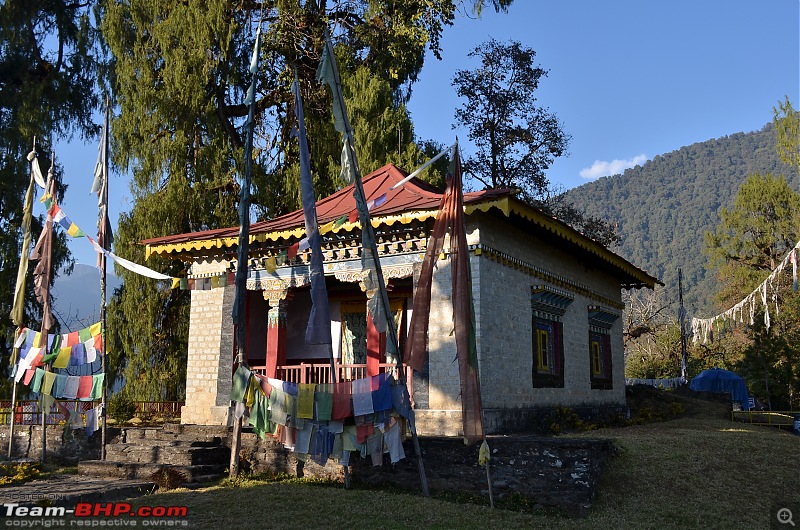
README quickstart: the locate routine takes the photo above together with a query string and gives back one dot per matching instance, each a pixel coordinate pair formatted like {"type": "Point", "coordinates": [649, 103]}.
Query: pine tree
{"type": "Point", "coordinates": [48, 68]}
{"type": "Point", "coordinates": [180, 76]}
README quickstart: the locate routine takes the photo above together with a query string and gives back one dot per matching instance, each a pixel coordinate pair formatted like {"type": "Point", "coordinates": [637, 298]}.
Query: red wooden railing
{"type": "Point", "coordinates": [321, 373]}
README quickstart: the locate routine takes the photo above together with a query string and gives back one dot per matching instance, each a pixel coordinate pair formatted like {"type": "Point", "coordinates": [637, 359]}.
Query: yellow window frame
{"type": "Point", "coordinates": [597, 368]}
{"type": "Point", "coordinates": [542, 350]}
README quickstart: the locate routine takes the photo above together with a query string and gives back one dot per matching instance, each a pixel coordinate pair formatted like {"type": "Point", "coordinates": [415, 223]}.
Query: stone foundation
{"type": "Point", "coordinates": [550, 473]}
{"type": "Point", "coordinates": [539, 419]}
{"type": "Point", "coordinates": [66, 447]}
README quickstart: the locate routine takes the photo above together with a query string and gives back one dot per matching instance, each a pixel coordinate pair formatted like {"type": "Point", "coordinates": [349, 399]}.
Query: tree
{"type": "Point", "coordinates": [180, 75]}
{"type": "Point", "coordinates": [751, 240]}
{"type": "Point", "coordinates": [555, 202]}
{"type": "Point", "coordinates": [787, 122]}
{"type": "Point", "coordinates": [48, 67]}
{"type": "Point", "coordinates": [516, 140]}
{"type": "Point", "coordinates": [753, 236]}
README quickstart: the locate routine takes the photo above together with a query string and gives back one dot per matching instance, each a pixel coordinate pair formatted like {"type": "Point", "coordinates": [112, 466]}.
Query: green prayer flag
{"type": "Point", "coordinates": [97, 386]}
{"type": "Point", "coordinates": [18, 308]}
{"type": "Point", "coordinates": [326, 74]}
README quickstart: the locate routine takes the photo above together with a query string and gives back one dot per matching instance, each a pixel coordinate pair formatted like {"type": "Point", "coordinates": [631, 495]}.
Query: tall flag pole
{"type": "Point", "coordinates": [450, 219]}
{"type": "Point", "coordinates": [318, 330]}
{"type": "Point", "coordinates": [42, 275]}
{"type": "Point", "coordinates": [377, 297]}
{"type": "Point", "coordinates": [104, 238]}
{"type": "Point", "coordinates": [240, 298]}
{"type": "Point", "coordinates": [18, 309]}
{"type": "Point", "coordinates": [682, 321]}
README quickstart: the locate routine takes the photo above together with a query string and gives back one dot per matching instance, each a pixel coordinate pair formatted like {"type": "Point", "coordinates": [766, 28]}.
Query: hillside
{"type": "Point", "coordinates": [76, 298]}
{"type": "Point", "coordinates": [664, 207]}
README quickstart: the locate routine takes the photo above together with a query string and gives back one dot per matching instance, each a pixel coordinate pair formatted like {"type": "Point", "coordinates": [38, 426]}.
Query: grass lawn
{"type": "Point", "coordinates": [699, 471]}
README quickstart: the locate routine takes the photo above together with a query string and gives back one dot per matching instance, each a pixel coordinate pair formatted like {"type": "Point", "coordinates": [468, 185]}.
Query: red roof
{"type": "Point", "coordinates": [414, 195]}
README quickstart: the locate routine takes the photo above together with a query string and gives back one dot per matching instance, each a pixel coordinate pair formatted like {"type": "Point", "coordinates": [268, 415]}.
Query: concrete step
{"type": "Point", "coordinates": [144, 471]}
{"type": "Point", "coordinates": [180, 455]}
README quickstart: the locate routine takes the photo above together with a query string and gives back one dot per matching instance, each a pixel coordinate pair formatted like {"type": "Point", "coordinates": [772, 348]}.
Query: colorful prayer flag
{"type": "Point", "coordinates": [450, 219]}
{"type": "Point", "coordinates": [100, 187]}
{"type": "Point", "coordinates": [18, 307]}
{"type": "Point", "coordinates": [376, 202]}
{"type": "Point", "coordinates": [318, 330]}
{"type": "Point", "coordinates": [291, 252]}
{"type": "Point", "coordinates": [74, 231]}
{"type": "Point", "coordinates": [43, 273]}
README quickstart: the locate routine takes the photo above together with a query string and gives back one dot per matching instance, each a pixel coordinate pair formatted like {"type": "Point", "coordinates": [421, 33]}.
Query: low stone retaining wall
{"type": "Point", "coordinates": [66, 447]}
{"type": "Point", "coordinates": [551, 473]}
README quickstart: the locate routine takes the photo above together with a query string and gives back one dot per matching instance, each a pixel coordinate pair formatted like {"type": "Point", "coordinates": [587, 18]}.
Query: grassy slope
{"type": "Point", "coordinates": [700, 471]}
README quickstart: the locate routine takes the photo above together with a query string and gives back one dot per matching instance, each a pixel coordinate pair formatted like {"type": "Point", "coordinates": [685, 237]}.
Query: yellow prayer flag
{"type": "Point", "coordinates": [94, 329]}
{"type": "Point", "coordinates": [47, 383]}
{"type": "Point", "coordinates": [250, 394]}
{"type": "Point", "coordinates": [63, 357]}
{"type": "Point", "coordinates": [176, 282]}
{"type": "Point", "coordinates": [327, 227]}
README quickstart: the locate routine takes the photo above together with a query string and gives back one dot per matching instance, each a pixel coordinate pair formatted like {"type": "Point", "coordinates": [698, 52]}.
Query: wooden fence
{"type": "Point", "coordinates": [27, 412]}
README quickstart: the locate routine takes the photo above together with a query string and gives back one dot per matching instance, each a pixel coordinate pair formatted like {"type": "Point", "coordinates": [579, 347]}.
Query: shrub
{"type": "Point", "coordinates": [121, 408]}
{"type": "Point", "coordinates": [15, 473]}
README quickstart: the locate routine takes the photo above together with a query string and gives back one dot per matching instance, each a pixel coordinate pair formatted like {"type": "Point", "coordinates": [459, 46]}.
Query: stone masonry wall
{"type": "Point", "coordinates": [503, 313]}
{"type": "Point", "coordinates": [210, 357]}
{"type": "Point", "coordinates": [548, 472]}
{"type": "Point", "coordinates": [65, 446]}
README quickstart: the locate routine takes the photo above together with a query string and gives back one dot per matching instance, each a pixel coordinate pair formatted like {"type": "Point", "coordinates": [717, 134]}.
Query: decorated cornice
{"type": "Point", "coordinates": [341, 243]}
{"type": "Point", "coordinates": [186, 248]}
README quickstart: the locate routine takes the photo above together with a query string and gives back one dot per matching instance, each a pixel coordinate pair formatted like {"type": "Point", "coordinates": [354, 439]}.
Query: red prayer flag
{"type": "Point", "coordinates": [85, 387]}
{"type": "Point", "coordinates": [353, 216]}
{"type": "Point", "coordinates": [291, 252]}
{"type": "Point", "coordinates": [342, 401]}
{"type": "Point", "coordinates": [73, 339]}
{"type": "Point", "coordinates": [450, 219]}
{"type": "Point", "coordinates": [98, 342]}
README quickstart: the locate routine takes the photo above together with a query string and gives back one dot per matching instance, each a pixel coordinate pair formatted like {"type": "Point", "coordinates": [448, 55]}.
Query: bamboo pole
{"type": "Point", "coordinates": [391, 331]}
{"type": "Point", "coordinates": [103, 279]}
{"type": "Point", "coordinates": [240, 300]}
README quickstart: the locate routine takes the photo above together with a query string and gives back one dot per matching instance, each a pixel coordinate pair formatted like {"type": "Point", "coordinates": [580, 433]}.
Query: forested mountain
{"type": "Point", "coordinates": [663, 208]}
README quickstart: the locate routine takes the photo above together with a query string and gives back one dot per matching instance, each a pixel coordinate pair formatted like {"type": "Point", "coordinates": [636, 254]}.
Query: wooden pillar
{"type": "Point", "coordinates": [276, 333]}
{"type": "Point", "coordinates": [376, 347]}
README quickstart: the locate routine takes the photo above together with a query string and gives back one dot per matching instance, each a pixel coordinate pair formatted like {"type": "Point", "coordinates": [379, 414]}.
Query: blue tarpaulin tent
{"type": "Point", "coordinates": [719, 380]}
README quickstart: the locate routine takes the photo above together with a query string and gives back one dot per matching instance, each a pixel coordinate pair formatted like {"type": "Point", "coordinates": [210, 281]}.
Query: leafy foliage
{"type": "Point", "coordinates": [180, 73]}
{"type": "Point", "coordinates": [48, 65]}
{"type": "Point", "coordinates": [516, 139]}
{"type": "Point", "coordinates": [787, 123]}
{"type": "Point", "coordinates": [754, 235]}
{"type": "Point", "coordinates": [121, 407]}
{"type": "Point", "coordinates": [19, 472]}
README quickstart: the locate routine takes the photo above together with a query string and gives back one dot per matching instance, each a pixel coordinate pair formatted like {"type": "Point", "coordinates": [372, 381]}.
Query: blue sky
{"type": "Point", "coordinates": [629, 80]}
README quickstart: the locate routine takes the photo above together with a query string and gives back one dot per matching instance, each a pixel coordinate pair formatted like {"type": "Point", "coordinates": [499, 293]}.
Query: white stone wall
{"type": "Point", "coordinates": [504, 316]}
{"type": "Point", "coordinates": [210, 357]}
